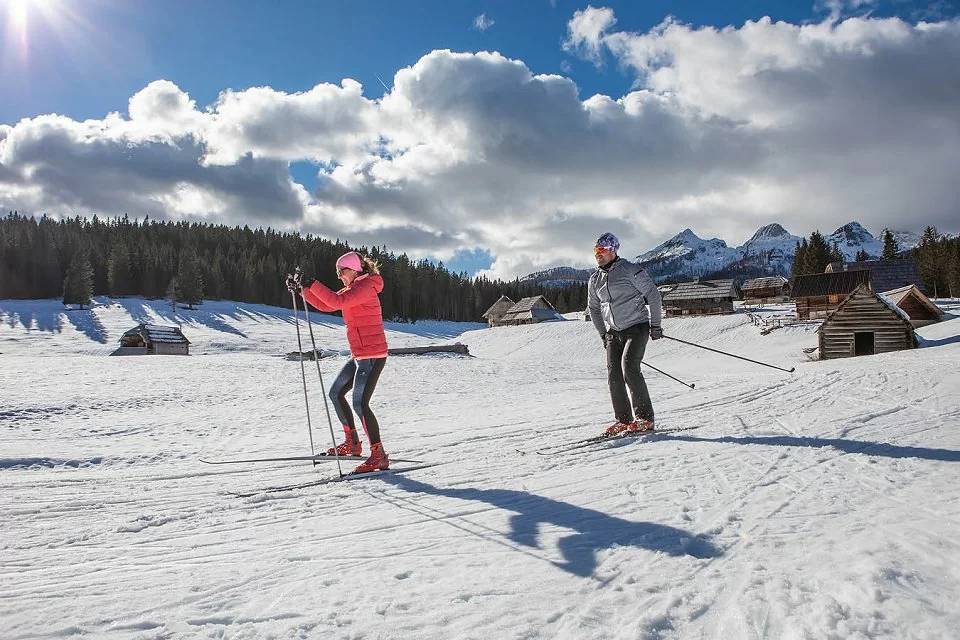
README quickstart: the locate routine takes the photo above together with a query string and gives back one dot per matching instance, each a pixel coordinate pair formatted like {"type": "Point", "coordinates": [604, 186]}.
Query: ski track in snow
{"type": "Point", "coordinates": [822, 504]}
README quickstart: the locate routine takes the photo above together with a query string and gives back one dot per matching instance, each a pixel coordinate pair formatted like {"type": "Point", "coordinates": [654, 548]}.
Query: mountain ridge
{"type": "Point", "coordinates": [769, 251]}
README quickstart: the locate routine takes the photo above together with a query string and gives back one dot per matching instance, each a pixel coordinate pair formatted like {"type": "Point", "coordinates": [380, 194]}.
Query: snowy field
{"type": "Point", "coordinates": [819, 504]}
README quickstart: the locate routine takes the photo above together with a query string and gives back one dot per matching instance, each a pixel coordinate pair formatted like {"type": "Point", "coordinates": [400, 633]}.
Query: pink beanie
{"type": "Point", "coordinates": [350, 260]}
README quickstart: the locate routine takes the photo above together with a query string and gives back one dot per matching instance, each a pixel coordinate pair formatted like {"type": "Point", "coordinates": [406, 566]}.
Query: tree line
{"type": "Point", "coordinates": [187, 262]}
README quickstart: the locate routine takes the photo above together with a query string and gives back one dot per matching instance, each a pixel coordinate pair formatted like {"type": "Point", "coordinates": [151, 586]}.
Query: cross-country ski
{"type": "Point", "coordinates": [334, 479]}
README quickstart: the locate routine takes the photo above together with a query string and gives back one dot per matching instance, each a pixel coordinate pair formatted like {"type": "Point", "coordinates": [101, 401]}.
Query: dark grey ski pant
{"type": "Point", "coordinates": [624, 354]}
{"type": "Point", "coordinates": [361, 376]}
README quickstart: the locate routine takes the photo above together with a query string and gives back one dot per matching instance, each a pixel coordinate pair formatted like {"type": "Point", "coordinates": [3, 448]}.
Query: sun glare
{"type": "Point", "coordinates": [23, 17]}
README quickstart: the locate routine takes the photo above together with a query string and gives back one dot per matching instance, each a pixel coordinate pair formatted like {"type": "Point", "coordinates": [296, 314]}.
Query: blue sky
{"type": "Point", "coordinates": [205, 47]}
{"type": "Point", "coordinates": [83, 60]}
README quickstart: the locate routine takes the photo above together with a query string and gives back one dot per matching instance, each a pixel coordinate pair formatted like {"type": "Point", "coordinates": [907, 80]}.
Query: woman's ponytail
{"type": "Point", "coordinates": [370, 265]}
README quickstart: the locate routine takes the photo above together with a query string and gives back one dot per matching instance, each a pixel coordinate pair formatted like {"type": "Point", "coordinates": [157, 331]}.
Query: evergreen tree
{"type": "Point", "coordinates": [818, 253]}
{"type": "Point", "coordinates": [835, 254]}
{"type": "Point", "coordinates": [953, 273]}
{"type": "Point", "coordinates": [78, 283]}
{"type": "Point", "coordinates": [119, 276]}
{"type": "Point", "coordinates": [189, 281]}
{"type": "Point", "coordinates": [890, 246]}
{"type": "Point", "coordinates": [862, 256]}
{"type": "Point", "coordinates": [173, 293]}
{"type": "Point", "coordinates": [928, 256]}
{"type": "Point", "coordinates": [800, 265]}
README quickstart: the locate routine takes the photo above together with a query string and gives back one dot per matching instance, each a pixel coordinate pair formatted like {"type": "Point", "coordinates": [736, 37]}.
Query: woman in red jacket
{"type": "Point", "coordinates": [368, 345]}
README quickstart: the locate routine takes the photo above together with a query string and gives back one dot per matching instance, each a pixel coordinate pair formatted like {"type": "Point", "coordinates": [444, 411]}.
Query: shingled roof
{"type": "Point", "coordinates": [824, 284]}
{"type": "Point", "coordinates": [702, 289]}
{"type": "Point", "coordinates": [530, 308]}
{"type": "Point", "coordinates": [764, 283]}
{"type": "Point", "coordinates": [153, 333]}
{"type": "Point", "coordinates": [498, 308]}
{"type": "Point", "coordinates": [885, 275]}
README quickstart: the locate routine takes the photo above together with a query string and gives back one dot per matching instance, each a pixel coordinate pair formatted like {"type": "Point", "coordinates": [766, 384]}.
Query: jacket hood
{"type": "Point", "coordinates": [373, 278]}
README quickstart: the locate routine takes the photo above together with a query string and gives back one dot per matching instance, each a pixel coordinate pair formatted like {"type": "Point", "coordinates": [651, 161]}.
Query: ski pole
{"type": "Point", "coordinates": [669, 376]}
{"type": "Point", "coordinates": [316, 358]}
{"type": "Point", "coordinates": [732, 355]}
{"type": "Point", "coordinates": [303, 371]}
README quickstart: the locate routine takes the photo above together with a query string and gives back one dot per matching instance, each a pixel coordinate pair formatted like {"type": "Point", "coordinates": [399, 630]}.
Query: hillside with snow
{"type": "Point", "coordinates": [818, 504]}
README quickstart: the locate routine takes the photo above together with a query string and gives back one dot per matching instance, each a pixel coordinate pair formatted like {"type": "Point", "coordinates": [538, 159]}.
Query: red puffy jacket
{"type": "Point", "coordinates": [361, 313]}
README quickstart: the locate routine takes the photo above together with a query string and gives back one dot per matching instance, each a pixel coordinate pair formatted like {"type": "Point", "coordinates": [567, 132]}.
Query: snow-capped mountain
{"type": "Point", "coordinates": [906, 239]}
{"type": "Point", "coordinates": [773, 240]}
{"type": "Point", "coordinates": [852, 237]}
{"type": "Point", "coordinates": [558, 276]}
{"type": "Point", "coordinates": [688, 254]}
{"type": "Point", "coordinates": [769, 251]}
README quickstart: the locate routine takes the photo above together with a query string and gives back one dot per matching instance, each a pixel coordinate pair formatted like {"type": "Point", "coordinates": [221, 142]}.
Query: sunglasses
{"type": "Point", "coordinates": [599, 250]}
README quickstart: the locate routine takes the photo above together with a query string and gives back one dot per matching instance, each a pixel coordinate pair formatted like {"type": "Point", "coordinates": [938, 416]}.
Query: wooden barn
{"type": "Point", "coordinates": [529, 311]}
{"type": "Point", "coordinates": [701, 297]}
{"type": "Point", "coordinates": [885, 275]}
{"type": "Point", "coordinates": [766, 290]}
{"type": "Point", "coordinates": [153, 339]}
{"type": "Point", "coordinates": [864, 324]}
{"type": "Point", "coordinates": [819, 294]}
{"type": "Point", "coordinates": [918, 307]}
{"type": "Point", "coordinates": [496, 311]}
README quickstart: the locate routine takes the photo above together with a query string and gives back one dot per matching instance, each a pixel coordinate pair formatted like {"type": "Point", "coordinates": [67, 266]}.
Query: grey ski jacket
{"type": "Point", "coordinates": [618, 297]}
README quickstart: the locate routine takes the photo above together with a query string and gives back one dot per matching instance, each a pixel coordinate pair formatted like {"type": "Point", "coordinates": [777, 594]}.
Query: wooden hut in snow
{"type": "Point", "coordinates": [864, 324]}
{"type": "Point", "coordinates": [766, 290]}
{"type": "Point", "coordinates": [918, 307]}
{"type": "Point", "coordinates": [153, 339]}
{"type": "Point", "coordinates": [529, 311]}
{"type": "Point", "coordinates": [701, 297]}
{"type": "Point", "coordinates": [819, 294]}
{"type": "Point", "coordinates": [496, 311]}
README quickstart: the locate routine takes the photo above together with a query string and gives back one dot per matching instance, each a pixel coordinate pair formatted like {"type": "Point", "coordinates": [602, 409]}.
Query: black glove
{"type": "Point", "coordinates": [656, 332]}
{"type": "Point", "coordinates": [604, 337]}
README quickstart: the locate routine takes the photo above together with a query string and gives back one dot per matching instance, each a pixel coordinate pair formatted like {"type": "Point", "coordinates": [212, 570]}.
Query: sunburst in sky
{"type": "Point", "coordinates": [27, 19]}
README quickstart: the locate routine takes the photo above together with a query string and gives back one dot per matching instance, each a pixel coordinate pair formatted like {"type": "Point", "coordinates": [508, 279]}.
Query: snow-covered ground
{"type": "Point", "coordinates": [819, 504]}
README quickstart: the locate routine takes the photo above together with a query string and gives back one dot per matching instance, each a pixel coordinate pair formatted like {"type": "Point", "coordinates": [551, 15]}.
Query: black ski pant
{"type": "Point", "coordinates": [361, 376]}
{"type": "Point", "coordinates": [624, 354]}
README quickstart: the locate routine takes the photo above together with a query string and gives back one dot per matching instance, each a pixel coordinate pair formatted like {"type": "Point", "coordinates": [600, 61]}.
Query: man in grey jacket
{"type": "Point", "coordinates": [618, 295]}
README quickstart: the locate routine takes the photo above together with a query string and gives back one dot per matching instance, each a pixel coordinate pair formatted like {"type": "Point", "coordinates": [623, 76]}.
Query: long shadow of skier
{"type": "Point", "coordinates": [595, 530]}
{"type": "Point", "coordinates": [881, 449]}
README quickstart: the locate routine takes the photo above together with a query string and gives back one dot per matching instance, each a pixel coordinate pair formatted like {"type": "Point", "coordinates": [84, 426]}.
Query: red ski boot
{"type": "Point", "coordinates": [619, 427]}
{"type": "Point", "coordinates": [347, 448]}
{"type": "Point", "coordinates": [378, 460]}
{"type": "Point", "coordinates": [640, 426]}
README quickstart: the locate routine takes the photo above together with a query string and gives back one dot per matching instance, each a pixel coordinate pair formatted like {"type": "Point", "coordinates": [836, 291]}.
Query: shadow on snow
{"type": "Point", "coordinates": [595, 530]}
{"type": "Point", "coordinates": [881, 449]}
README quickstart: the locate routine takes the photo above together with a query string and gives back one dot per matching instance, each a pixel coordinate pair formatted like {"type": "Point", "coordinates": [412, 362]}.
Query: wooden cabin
{"type": "Point", "coordinates": [918, 307]}
{"type": "Point", "coordinates": [864, 324]}
{"type": "Point", "coordinates": [885, 275]}
{"type": "Point", "coordinates": [496, 311]}
{"type": "Point", "coordinates": [819, 294]}
{"type": "Point", "coordinates": [153, 339]}
{"type": "Point", "coordinates": [701, 297]}
{"type": "Point", "coordinates": [529, 311]}
{"type": "Point", "coordinates": [766, 290]}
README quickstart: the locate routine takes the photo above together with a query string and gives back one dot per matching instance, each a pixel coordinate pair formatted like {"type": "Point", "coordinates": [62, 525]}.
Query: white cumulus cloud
{"type": "Point", "coordinates": [726, 129]}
